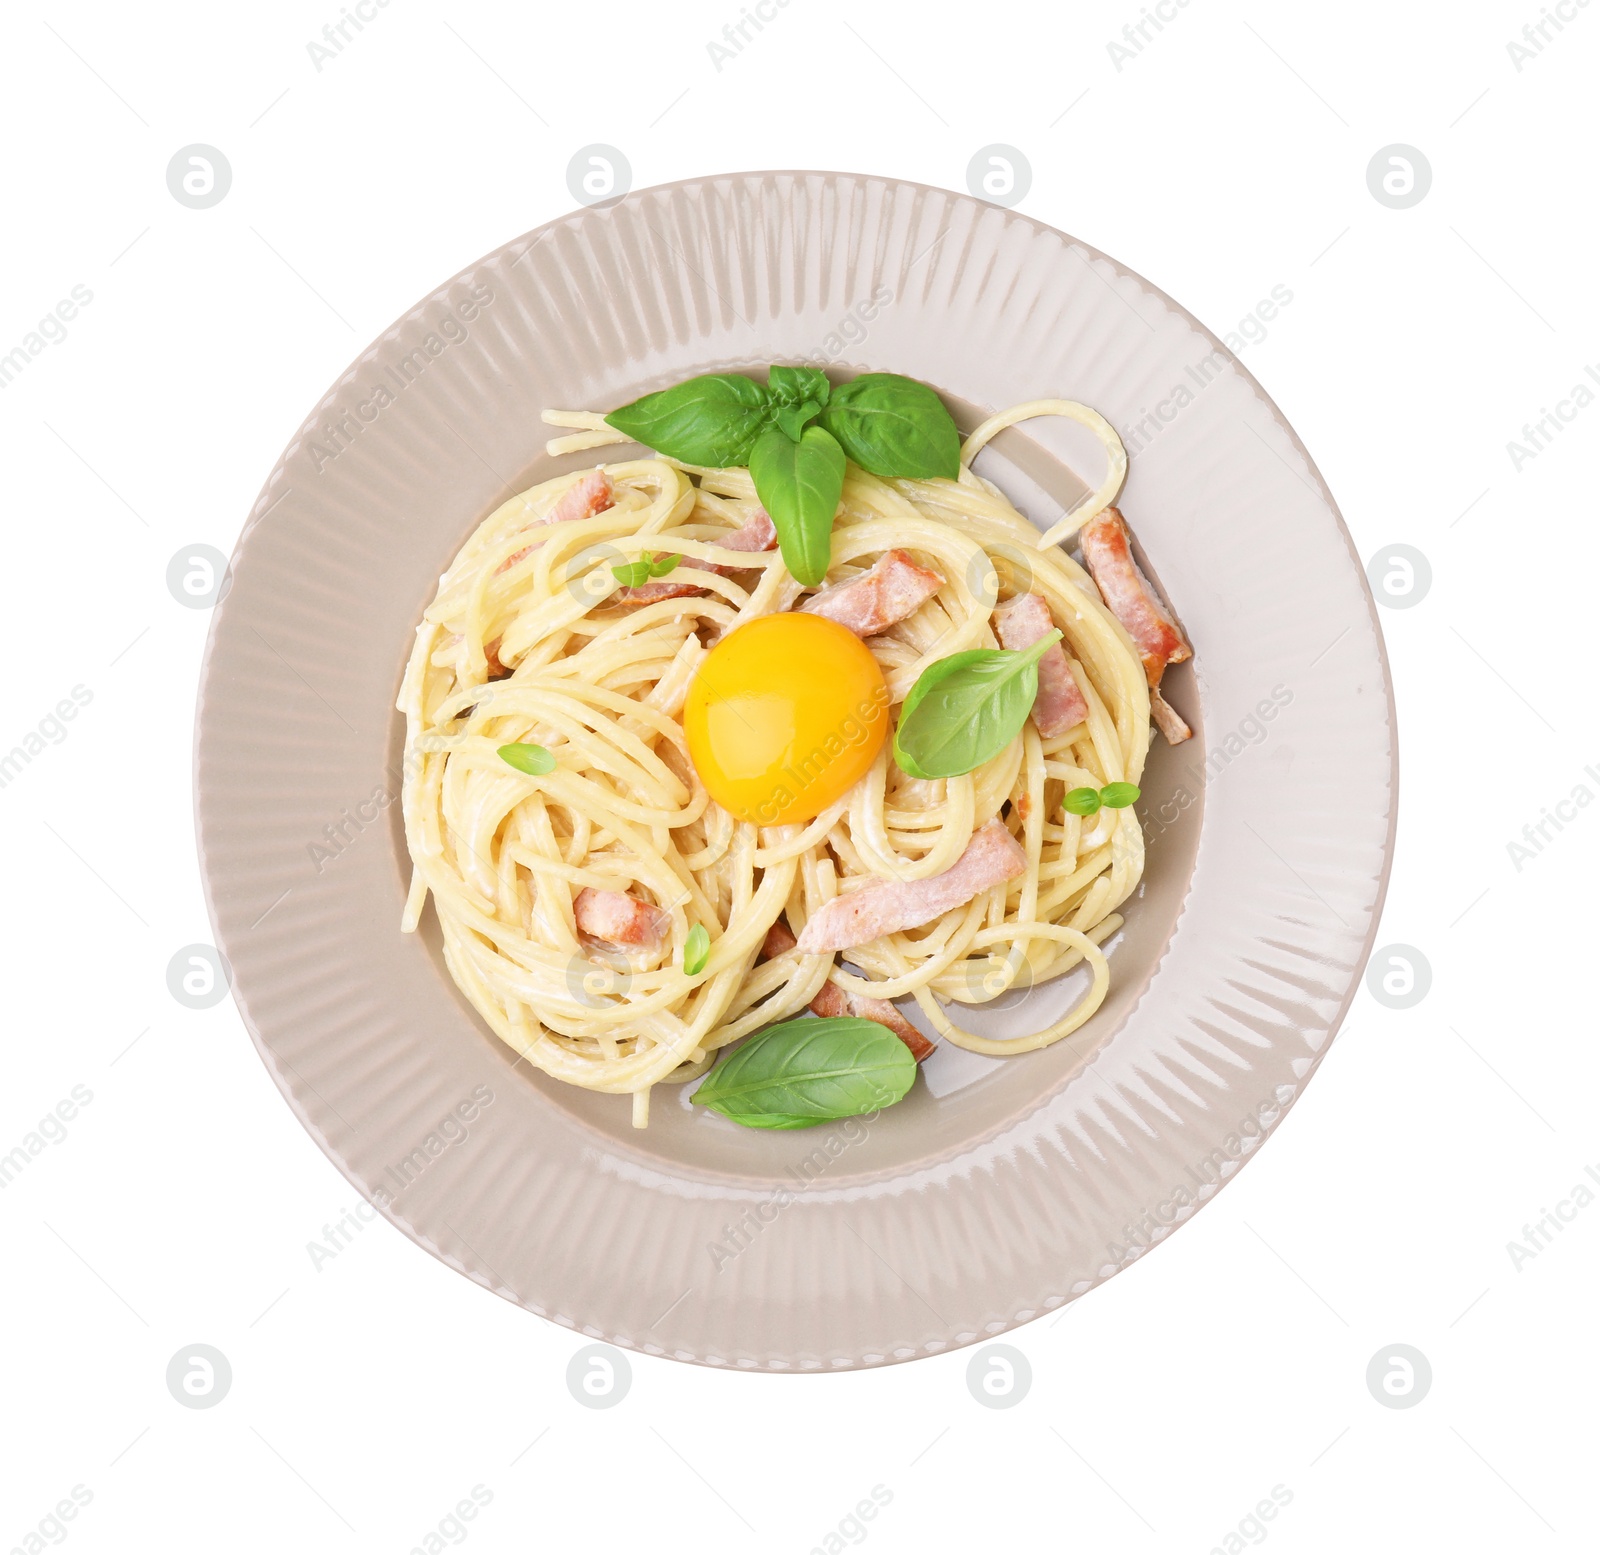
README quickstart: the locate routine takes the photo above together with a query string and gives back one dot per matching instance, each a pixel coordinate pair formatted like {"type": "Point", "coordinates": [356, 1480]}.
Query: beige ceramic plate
{"type": "Point", "coordinates": [1001, 1188]}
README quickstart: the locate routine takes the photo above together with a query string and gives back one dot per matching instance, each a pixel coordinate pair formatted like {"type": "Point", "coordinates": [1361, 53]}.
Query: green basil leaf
{"type": "Point", "coordinates": [1118, 796]}
{"type": "Point", "coordinates": [532, 759]}
{"type": "Point", "coordinates": [664, 564]}
{"type": "Point", "coordinates": [696, 950]}
{"type": "Point", "coordinates": [965, 710]}
{"type": "Point", "coordinates": [799, 486]}
{"type": "Point", "coordinates": [794, 418]}
{"type": "Point", "coordinates": [807, 1071]}
{"type": "Point", "coordinates": [769, 1120]}
{"type": "Point", "coordinates": [796, 385]}
{"type": "Point", "coordinates": [708, 420]}
{"type": "Point", "coordinates": [894, 426]}
{"type": "Point", "coordinates": [631, 574]}
{"type": "Point", "coordinates": [1081, 801]}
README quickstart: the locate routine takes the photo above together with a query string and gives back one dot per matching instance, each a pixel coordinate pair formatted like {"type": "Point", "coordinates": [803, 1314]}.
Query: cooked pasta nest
{"type": "Point", "coordinates": [603, 687]}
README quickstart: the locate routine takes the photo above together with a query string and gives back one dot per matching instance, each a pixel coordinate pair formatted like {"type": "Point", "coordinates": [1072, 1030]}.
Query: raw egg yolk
{"type": "Point", "coordinates": [785, 714]}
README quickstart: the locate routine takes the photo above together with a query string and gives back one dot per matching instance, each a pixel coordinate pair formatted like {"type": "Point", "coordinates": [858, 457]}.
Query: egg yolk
{"type": "Point", "coordinates": [785, 714]}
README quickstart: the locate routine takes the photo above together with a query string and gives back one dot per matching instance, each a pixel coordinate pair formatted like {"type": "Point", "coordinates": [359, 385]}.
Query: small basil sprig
{"type": "Point", "coordinates": [633, 574]}
{"type": "Point", "coordinates": [794, 434]}
{"type": "Point", "coordinates": [965, 710]}
{"type": "Point", "coordinates": [1114, 796]}
{"type": "Point", "coordinates": [535, 760]}
{"type": "Point", "coordinates": [806, 1072]}
{"type": "Point", "coordinates": [696, 950]}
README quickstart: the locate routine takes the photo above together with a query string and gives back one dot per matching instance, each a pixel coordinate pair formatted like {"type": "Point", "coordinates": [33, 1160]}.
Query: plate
{"type": "Point", "coordinates": [1001, 1188]}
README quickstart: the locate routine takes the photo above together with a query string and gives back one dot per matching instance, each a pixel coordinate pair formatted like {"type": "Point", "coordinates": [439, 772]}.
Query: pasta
{"type": "Point", "coordinates": [532, 640]}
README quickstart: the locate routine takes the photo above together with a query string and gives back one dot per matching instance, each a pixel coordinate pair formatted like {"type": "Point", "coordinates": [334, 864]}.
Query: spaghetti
{"type": "Point", "coordinates": [532, 639]}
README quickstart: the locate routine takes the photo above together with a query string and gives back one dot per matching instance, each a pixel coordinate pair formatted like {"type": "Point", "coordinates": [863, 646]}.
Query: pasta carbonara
{"type": "Point", "coordinates": [577, 892]}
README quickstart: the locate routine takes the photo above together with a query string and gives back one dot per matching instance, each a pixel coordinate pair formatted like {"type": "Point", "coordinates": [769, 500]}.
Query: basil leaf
{"type": "Point", "coordinates": [696, 950]}
{"type": "Point", "coordinates": [965, 710]}
{"type": "Point", "coordinates": [532, 759]}
{"type": "Point", "coordinates": [808, 1071]}
{"type": "Point", "coordinates": [799, 486]}
{"type": "Point", "coordinates": [894, 426]}
{"type": "Point", "coordinates": [1118, 796]}
{"type": "Point", "coordinates": [769, 1119]}
{"type": "Point", "coordinates": [796, 385]}
{"type": "Point", "coordinates": [1081, 801]}
{"type": "Point", "coordinates": [708, 420]}
{"type": "Point", "coordinates": [635, 574]}
{"type": "Point", "coordinates": [793, 418]}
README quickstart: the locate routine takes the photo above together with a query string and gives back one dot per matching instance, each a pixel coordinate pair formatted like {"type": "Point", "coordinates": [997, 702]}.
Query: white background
{"type": "Point", "coordinates": [1227, 156]}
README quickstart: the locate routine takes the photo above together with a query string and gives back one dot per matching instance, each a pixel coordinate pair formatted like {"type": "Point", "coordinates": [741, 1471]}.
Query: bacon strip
{"type": "Point", "coordinates": [757, 534]}
{"type": "Point", "coordinates": [1135, 603]}
{"type": "Point", "coordinates": [890, 590]}
{"type": "Point", "coordinates": [888, 906]}
{"type": "Point", "coordinates": [832, 1000]}
{"type": "Point", "coordinates": [1058, 704]}
{"type": "Point", "coordinates": [1130, 596]}
{"type": "Point", "coordinates": [617, 920]}
{"type": "Point", "coordinates": [591, 493]}
{"type": "Point", "coordinates": [660, 588]}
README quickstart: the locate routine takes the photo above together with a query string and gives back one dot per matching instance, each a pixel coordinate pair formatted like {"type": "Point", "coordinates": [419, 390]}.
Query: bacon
{"type": "Point", "coordinates": [658, 588]}
{"type": "Point", "coordinates": [1130, 596]}
{"type": "Point", "coordinates": [1058, 704]}
{"type": "Point", "coordinates": [591, 493]}
{"type": "Point", "coordinates": [757, 534]}
{"type": "Point", "coordinates": [832, 1000]}
{"type": "Point", "coordinates": [890, 590]}
{"type": "Point", "coordinates": [888, 906]}
{"type": "Point", "coordinates": [616, 920]}
{"type": "Point", "coordinates": [1135, 603]}
{"type": "Point", "coordinates": [491, 654]}
{"type": "Point", "coordinates": [779, 941]}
